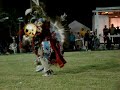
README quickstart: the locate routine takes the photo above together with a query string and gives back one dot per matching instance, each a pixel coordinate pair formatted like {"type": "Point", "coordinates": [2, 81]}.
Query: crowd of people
{"type": "Point", "coordinates": [107, 32]}
{"type": "Point", "coordinates": [83, 40]}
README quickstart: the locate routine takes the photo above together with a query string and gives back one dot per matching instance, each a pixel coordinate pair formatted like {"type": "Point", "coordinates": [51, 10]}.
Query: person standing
{"type": "Point", "coordinates": [112, 32]}
{"type": "Point", "coordinates": [105, 34]}
{"type": "Point", "coordinates": [86, 39]}
{"type": "Point", "coordinates": [72, 41]}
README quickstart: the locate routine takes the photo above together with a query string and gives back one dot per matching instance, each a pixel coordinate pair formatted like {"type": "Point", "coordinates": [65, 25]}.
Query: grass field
{"type": "Point", "coordinates": [92, 70]}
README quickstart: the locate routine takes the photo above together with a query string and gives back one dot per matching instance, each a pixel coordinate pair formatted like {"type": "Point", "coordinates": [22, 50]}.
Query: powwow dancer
{"type": "Point", "coordinates": [43, 28]}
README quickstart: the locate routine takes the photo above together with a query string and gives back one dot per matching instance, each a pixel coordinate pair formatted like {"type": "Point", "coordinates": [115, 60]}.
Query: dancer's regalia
{"type": "Point", "coordinates": [43, 28]}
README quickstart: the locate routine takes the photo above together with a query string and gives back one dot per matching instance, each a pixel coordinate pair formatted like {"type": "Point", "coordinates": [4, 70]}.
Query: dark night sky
{"type": "Point", "coordinates": [75, 9]}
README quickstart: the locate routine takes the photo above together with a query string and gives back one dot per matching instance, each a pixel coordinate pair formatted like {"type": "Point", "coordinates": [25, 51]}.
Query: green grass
{"type": "Point", "coordinates": [92, 70]}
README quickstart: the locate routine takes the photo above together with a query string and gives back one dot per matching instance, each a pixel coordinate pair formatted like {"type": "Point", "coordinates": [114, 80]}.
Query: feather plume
{"type": "Point", "coordinates": [58, 29]}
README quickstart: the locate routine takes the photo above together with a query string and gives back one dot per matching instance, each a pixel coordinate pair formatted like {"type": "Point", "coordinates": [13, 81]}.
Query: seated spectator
{"type": "Point", "coordinates": [13, 47]}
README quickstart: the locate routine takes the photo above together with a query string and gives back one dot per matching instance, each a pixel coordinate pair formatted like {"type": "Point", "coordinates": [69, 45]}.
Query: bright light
{"type": "Point", "coordinates": [116, 16]}
{"type": "Point", "coordinates": [106, 12]}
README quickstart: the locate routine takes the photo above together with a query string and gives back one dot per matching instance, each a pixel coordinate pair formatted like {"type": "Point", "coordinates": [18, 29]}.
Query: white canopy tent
{"type": "Point", "coordinates": [76, 26]}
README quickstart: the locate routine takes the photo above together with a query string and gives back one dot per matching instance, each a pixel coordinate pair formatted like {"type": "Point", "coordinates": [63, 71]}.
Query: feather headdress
{"type": "Point", "coordinates": [55, 26]}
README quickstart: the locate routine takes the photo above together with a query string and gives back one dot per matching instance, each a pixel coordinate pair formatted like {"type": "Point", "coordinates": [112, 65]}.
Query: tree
{"type": "Point", "coordinates": [9, 20]}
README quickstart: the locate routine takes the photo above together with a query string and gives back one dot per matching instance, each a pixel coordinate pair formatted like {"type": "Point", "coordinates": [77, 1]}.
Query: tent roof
{"type": "Point", "coordinates": [77, 25]}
